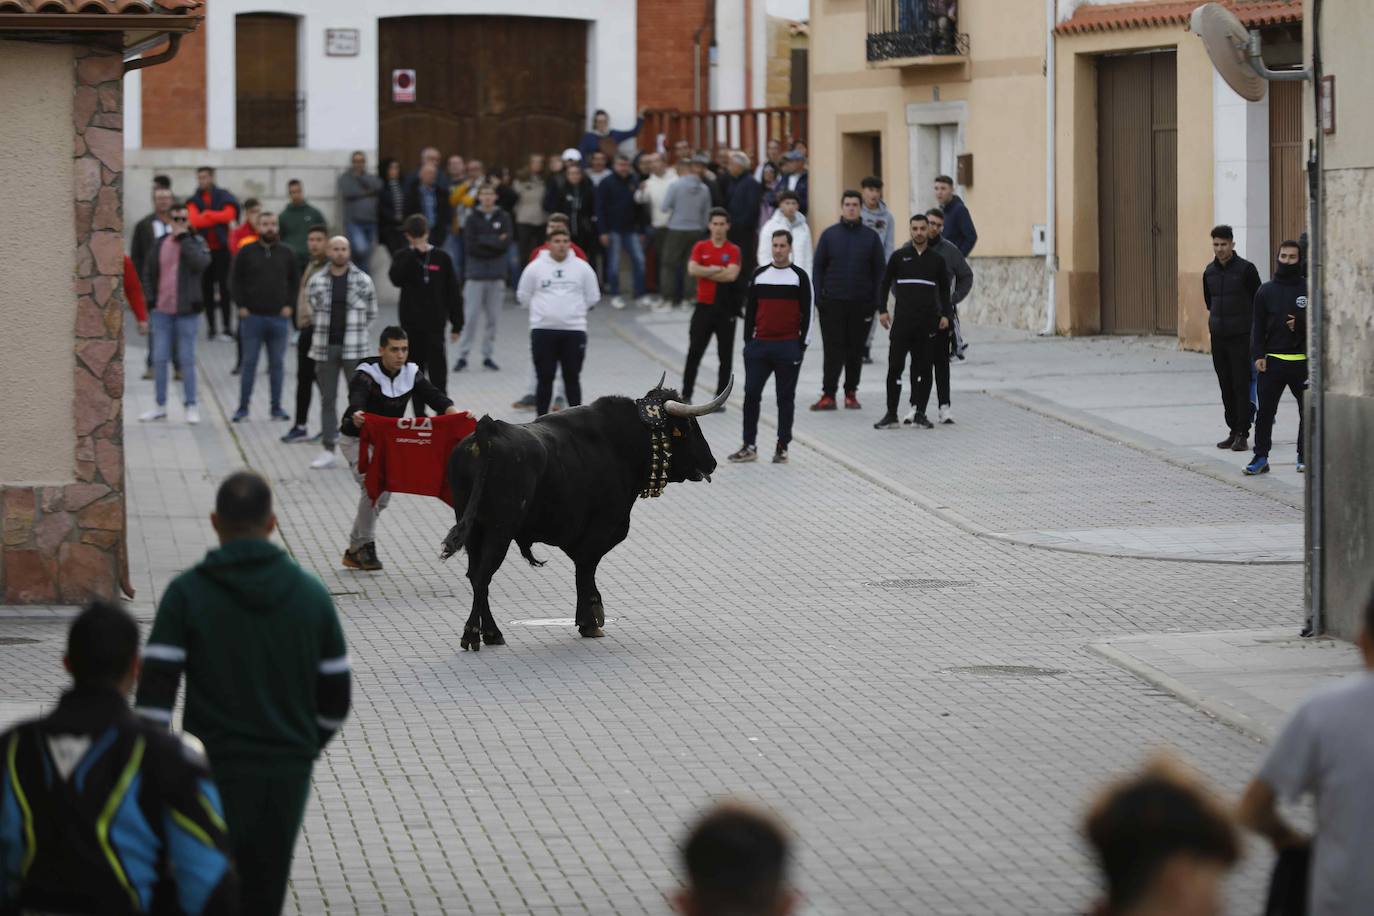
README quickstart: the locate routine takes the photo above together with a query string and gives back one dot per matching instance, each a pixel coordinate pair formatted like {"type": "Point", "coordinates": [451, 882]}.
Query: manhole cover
{"type": "Point", "coordinates": [17, 640]}
{"type": "Point", "coordinates": [552, 622]}
{"type": "Point", "coordinates": [1005, 671]}
{"type": "Point", "coordinates": [919, 583]}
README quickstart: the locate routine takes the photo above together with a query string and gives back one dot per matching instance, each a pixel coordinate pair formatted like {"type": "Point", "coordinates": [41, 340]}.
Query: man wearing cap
{"type": "Point", "coordinates": [687, 204]}
{"type": "Point", "coordinates": [794, 177]}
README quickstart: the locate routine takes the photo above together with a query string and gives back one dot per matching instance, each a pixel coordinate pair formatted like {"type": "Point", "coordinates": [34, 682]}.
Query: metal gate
{"type": "Point", "coordinates": [1138, 192]}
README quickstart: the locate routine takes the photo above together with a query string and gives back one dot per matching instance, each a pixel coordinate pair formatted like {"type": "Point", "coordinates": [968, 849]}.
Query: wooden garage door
{"type": "Point", "coordinates": [495, 87]}
{"type": "Point", "coordinates": [267, 106]}
{"type": "Point", "coordinates": [1287, 193]}
{"type": "Point", "coordinates": [1138, 193]}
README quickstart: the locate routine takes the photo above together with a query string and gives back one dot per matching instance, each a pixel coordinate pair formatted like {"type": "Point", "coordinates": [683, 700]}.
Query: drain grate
{"type": "Point", "coordinates": [17, 641]}
{"type": "Point", "coordinates": [1004, 671]}
{"type": "Point", "coordinates": [919, 583]}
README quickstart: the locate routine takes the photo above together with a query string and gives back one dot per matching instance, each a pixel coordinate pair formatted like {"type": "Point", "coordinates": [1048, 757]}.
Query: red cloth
{"type": "Point", "coordinates": [410, 454]}
{"type": "Point", "coordinates": [576, 249]}
{"type": "Point", "coordinates": [243, 235]}
{"type": "Point", "coordinates": [708, 255]}
{"type": "Point", "coordinates": [133, 290]}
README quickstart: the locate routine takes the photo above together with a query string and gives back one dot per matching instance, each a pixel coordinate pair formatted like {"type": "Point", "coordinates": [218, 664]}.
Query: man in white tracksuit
{"type": "Point", "coordinates": [558, 288]}
{"type": "Point", "coordinates": [788, 216]}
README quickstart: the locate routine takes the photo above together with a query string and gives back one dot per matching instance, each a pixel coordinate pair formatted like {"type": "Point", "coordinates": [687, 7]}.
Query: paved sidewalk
{"type": "Point", "coordinates": [921, 703]}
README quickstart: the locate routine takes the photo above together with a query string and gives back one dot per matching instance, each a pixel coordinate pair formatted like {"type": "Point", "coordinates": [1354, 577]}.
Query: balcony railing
{"type": "Point", "coordinates": [270, 120]}
{"type": "Point", "coordinates": [914, 28]}
{"type": "Point", "coordinates": [747, 129]}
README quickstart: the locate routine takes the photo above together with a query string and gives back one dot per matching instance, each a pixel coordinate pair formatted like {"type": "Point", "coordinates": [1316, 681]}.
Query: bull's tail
{"type": "Point", "coordinates": [477, 446]}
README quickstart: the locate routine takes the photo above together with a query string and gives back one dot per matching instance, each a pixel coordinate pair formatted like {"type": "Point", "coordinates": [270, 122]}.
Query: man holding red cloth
{"type": "Point", "coordinates": [382, 385]}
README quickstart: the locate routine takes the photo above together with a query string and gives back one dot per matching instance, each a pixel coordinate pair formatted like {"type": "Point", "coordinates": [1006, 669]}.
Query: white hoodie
{"type": "Point", "coordinates": [558, 293]}
{"type": "Point", "coordinates": [801, 240]}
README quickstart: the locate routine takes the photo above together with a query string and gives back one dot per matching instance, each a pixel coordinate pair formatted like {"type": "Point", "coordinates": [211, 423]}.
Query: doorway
{"type": "Point", "coordinates": [267, 105]}
{"type": "Point", "coordinates": [494, 87]}
{"type": "Point", "coordinates": [1138, 192]}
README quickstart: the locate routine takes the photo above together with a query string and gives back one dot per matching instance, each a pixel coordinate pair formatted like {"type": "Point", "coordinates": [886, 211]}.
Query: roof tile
{"type": "Point", "coordinates": [1145, 14]}
{"type": "Point", "coordinates": [112, 7]}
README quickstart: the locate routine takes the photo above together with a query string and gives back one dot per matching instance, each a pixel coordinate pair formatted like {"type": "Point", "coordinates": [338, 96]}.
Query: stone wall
{"type": "Point", "coordinates": [1349, 402]}
{"type": "Point", "coordinates": [66, 542]}
{"type": "Point", "coordinates": [1007, 292]}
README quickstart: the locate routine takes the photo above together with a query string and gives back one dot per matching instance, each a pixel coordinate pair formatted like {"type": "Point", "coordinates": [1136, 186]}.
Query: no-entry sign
{"type": "Point", "coordinates": [402, 85]}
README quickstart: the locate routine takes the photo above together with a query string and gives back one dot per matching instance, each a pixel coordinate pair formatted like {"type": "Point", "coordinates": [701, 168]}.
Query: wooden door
{"type": "Point", "coordinates": [494, 87]}
{"type": "Point", "coordinates": [267, 106]}
{"type": "Point", "coordinates": [1138, 193]}
{"type": "Point", "coordinates": [1287, 193]}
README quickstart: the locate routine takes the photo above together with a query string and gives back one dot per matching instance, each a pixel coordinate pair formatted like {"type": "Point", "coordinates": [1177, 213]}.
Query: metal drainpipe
{"type": "Point", "coordinates": [1051, 261]}
{"type": "Point", "coordinates": [1316, 448]}
{"type": "Point", "coordinates": [173, 45]}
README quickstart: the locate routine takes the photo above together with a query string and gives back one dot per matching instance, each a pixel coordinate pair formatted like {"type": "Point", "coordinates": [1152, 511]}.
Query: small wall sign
{"type": "Point", "coordinates": [402, 85]}
{"type": "Point", "coordinates": [1326, 101]}
{"type": "Point", "coordinates": [341, 42]}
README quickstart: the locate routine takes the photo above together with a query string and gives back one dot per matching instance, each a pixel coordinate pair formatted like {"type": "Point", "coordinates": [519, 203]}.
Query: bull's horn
{"type": "Point", "coordinates": [661, 379]}
{"type": "Point", "coordinates": [679, 409]}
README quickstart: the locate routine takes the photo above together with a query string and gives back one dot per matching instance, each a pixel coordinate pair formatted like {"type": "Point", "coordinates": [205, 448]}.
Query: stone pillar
{"type": "Point", "coordinates": [65, 543]}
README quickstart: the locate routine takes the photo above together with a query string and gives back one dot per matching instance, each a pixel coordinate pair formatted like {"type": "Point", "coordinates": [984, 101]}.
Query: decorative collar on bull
{"type": "Point", "coordinates": [654, 410]}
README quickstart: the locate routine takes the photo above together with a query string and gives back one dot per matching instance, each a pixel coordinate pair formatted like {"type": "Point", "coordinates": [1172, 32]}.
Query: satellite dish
{"type": "Point", "coordinates": [1227, 42]}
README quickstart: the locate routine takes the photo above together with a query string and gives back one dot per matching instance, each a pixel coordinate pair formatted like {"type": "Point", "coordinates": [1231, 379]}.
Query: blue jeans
{"type": "Point", "coordinates": [255, 330]}
{"type": "Point", "coordinates": [362, 238]}
{"type": "Point", "coordinates": [178, 331]}
{"type": "Point", "coordinates": [630, 241]}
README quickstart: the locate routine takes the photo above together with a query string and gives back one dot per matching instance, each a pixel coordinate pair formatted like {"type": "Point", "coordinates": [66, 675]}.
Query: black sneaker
{"type": "Point", "coordinates": [745, 453]}
{"type": "Point", "coordinates": [922, 421]}
{"type": "Point", "coordinates": [525, 403]}
{"type": "Point", "coordinates": [1229, 441]}
{"type": "Point", "coordinates": [490, 364]}
{"type": "Point", "coordinates": [296, 434]}
{"type": "Point", "coordinates": [780, 455]}
{"type": "Point", "coordinates": [460, 365]}
{"type": "Point", "coordinates": [367, 555]}
{"type": "Point", "coordinates": [889, 421]}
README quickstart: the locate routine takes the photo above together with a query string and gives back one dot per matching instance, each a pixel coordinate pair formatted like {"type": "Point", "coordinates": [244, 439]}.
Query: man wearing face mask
{"type": "Point", "coordinates": [1278, 348]}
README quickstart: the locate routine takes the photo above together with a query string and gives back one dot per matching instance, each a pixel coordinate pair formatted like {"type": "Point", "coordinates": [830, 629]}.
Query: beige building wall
{"type": "Point", "coordinates": [1078, 297]}
{"type": "Point", "coordinates": [37, 299]}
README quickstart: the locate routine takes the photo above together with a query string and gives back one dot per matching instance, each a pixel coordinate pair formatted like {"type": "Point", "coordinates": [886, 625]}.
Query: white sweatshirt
{"type": "Point", "coordinates": [801, 240]}
{"type": "Point", "coordinates": [558, 293]}
{"type": "Point", "coordinates": [652, 191]}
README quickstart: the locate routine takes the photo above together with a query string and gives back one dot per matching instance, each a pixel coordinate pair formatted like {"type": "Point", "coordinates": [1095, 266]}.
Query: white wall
{"type": "Point", "coordinates": [341, 92]}
{"type": "Point", "coordinates": [1240, 186]}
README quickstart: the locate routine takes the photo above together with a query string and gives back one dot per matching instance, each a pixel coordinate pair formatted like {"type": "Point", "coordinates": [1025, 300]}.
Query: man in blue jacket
{"type": "Point", "coordinates": [847, 274]}
{"type": "Point", "coordinates": [617, 218]}
{"type": "Point", "coordinates": [958, 224]}
{"type": "Point", "coordinates": [601, 130]}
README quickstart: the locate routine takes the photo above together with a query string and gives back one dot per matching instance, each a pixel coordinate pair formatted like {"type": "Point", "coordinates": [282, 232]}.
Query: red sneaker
{"type": "Point", "coordinates": [827, 402]}
{"type": "Point", "coordinates": [851, 401]}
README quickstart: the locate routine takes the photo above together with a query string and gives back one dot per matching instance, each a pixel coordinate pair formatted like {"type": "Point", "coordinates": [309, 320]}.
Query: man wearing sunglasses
{"type": "Point", "coordinates": [172, 273]}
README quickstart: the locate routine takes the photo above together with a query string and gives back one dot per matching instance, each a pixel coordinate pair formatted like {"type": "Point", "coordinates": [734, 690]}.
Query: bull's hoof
{"type": "Point", "coordinates": [471, 641]}
{"type": "Point", "coordinates": [591, 632]}
{"type": "Point", "coordinates": [599, 614]}
{"type": "Point", "coordinates": [493, 638]}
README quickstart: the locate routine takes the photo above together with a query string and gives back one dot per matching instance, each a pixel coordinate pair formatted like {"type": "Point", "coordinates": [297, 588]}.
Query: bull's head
{"type": "Point", "coordinates": [691, 453]}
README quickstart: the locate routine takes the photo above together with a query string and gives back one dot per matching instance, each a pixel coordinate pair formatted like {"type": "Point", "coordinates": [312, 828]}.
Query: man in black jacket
{"type": "Point", "coordinates": [1229, 285]}
{"type": "Point", "coordinates": [946, 342]}
{"type": "Point", "coordinates": [383, 384]}
{"type": "Point", "coordinates": [923, 310]}
{"type": "Point", "coordinates": [847, 270]}
{"type": "Point", "coordinates": [264, 280]}
{"type": "Point", "coordinates": [1278, 346]}
{"type": "Point", "coordinates": [429, 296]}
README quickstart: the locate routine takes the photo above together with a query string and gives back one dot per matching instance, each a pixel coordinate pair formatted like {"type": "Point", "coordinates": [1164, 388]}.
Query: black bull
{"type": "Point", "coordinates": [569, 480]}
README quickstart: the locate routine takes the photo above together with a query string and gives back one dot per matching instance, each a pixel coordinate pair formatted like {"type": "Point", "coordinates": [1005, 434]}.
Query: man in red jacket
{"type": "Point", "coordinates": [213, 210]}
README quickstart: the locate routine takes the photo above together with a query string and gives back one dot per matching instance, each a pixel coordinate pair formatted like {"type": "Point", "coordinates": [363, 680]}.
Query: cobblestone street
{"type": "Point", "coordinates": [887, 641]}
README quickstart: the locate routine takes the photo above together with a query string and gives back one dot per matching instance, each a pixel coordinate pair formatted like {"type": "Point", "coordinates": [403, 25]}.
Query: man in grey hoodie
{"type": "Point", "coordinates": [359, 191]}
{"type": "Point", "coordinates": [876, 216]}
{"type": "Point", "coordinates": [687, 202]}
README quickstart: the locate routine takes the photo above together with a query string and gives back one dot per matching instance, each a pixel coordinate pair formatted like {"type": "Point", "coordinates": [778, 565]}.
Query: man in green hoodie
{"type": "Point", "coordinates": [267, 681]}
{"type": "Point", "coordinates": [296, 219]}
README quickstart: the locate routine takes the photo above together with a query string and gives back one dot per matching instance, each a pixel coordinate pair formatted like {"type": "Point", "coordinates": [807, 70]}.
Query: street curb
{"type": "Point", "coordinates": [655, 349]}
{"type": "Point", "coordinates": [1242, 723]}
{"type": "Point", "coordinates": [1141, 442]}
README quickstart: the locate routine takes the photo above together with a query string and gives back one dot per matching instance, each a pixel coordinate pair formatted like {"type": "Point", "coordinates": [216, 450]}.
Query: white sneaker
{"type": "Point", "coordinates": [910, 417]}
{"type": "Point", "coordinates": [156, 413]}
{"type": "Point", "coordinates": [946, 415]}
{"type": "Point", "coordinates": [618, 302]}
{"type": "Point", "coordinates": [647, 302]}
{"type": "Point", "coordinates": [192, 414]}
{"type": "Point", "coordinates": [323, 460]}
{"type": "Point", "coordinates": [661, 306]}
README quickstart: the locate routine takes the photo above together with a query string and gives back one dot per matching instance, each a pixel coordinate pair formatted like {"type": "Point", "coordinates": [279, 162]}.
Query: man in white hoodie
{"type": "Point", "coordinates": [787, 216]}
{"type": "Point", "coordinates": [558, 289]}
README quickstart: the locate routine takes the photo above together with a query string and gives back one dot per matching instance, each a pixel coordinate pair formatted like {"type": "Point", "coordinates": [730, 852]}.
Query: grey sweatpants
{"type": "Point", "coordinates": [365, 520]}
{"type": "Point", "coordinates": [327, 372]}
{"type": "Point", "coordinates": [481, 297]}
